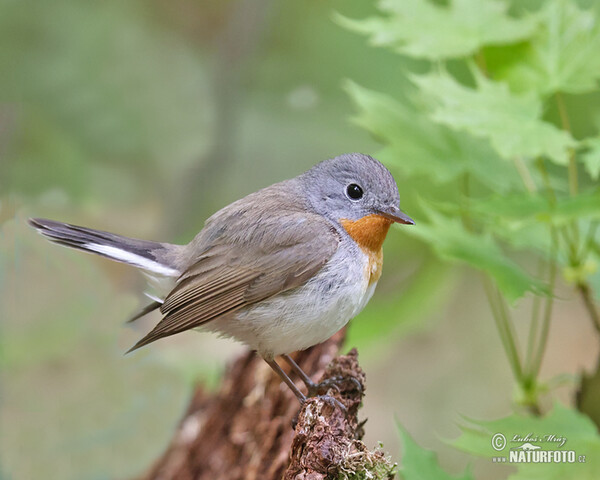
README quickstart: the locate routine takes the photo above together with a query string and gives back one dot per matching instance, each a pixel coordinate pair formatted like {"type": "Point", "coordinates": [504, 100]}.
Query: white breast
{"type": "Point", "coordinates": [307, 315]}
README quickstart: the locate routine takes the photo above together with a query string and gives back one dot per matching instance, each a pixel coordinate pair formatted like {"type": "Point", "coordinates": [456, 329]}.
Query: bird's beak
{"type": "Point", "coordinates": [395, 215]}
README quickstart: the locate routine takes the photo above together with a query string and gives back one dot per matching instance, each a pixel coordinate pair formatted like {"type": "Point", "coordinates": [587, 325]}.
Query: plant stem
{"type": "Point", "coordinates": [586, 294]}
{"type": "Point", "coordinates": [535, 409]}
{"type": "Point", "coordinates": [571, 245]}
{"type": "Point", "coordinates": [546, 179]}
{"type": "Point", "coordinates": [564, 118]}
{"type": "Point", "coordinates": [495, 299]}
{"type": "Point", "coordinates": [572, 168]}
{"type": "Point", "coordinates": [575, 260]}
{"type": "Point", "coordinates": [590, 238]}
{"type": "Point", "coordinates": [512, 335]}
{"type": "Point", "coordinates": [535, 320]}
{"type": "Point", "coordinates": [525, 174]}
{"type": "Point", "coordinates": [500, 314]}
{"type": "Point", "coordinates": [545, 329]}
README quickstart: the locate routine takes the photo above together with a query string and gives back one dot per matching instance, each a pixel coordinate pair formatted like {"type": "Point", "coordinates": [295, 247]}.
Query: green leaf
{"type": "Point", "coordinates": [511, 122]}
{"type": "Point", "coordinates": [579, 431]}
{"type": "Point", "coordinates": [417, 146]}
{"type": "Point", "coordinates": [524, 209]}
{"type": "Point", "coordinates": [562, 56]}
{"type": "Point", "coordinates": [421, 464]}
{"type": "Point", "coordinates": [452, 242]}
{"type": "Point", "coordinates": [424, 29]}
{"type": "Point", "coordinates": [523, 220]}
{"type": "Point", "coordinates": [591, 158]}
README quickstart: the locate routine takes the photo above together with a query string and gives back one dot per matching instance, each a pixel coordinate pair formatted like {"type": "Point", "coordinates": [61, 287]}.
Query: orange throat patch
{"type": "Point", "coordinates": [369, 233]}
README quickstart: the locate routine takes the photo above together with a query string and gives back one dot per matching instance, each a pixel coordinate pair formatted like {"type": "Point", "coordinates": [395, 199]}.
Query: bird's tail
{"type": "Point", "coordinates": [153, 257]}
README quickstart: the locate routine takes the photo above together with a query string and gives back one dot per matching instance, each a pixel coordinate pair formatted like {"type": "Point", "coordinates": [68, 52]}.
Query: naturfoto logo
{"type": "Point", "coordinates": [558, 440]}
{"type": "Point", "coordinates": [532, 448]}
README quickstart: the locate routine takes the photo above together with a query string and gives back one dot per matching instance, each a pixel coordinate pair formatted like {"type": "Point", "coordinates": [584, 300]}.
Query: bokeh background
{"type": "Point", "coordinates": [143, 118]}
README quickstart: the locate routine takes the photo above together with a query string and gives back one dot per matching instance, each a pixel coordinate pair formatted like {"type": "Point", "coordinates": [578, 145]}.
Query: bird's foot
{"type": "Point", "coordinates": [316, 389]}
{"type": "Point", "coordinates": [333, 402]}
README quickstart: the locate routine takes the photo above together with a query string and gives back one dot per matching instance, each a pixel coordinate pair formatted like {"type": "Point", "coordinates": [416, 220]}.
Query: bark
{"type": "Point", "coordinates": [244, 430]}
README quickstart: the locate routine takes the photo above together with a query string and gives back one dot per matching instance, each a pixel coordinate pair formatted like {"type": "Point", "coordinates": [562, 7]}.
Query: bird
{"type": "Point", "coordinates": [279, 270]}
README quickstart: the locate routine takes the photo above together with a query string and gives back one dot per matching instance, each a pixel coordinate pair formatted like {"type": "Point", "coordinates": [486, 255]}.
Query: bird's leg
{"type": "Point", "coordinates": [313, 388]}
{"type": "Point", "coordinates": [303, 376]}
{"type": "Point", "coordinates": [299, 395]}
{"type": "Point", "coordinates": [273, 364]}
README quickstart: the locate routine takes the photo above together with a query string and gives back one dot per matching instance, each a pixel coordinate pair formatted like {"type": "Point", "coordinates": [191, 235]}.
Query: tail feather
{"type": "Point", "coordinates": [144, 254]}
{"type": "Point", "coordinates": [144, 311]}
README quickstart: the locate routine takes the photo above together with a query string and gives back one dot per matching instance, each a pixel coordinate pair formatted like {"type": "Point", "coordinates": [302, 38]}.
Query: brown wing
{"type": "Point", "coordinates": [275, 254]}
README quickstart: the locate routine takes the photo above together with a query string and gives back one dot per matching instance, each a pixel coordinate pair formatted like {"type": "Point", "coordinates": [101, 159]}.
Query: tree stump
{"type": "Point", "coordinates": [244, 430]}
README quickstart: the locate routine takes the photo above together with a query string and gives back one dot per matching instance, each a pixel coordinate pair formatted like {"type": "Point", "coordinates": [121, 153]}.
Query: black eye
{"type": "Point", "coordinates": [354, 191]}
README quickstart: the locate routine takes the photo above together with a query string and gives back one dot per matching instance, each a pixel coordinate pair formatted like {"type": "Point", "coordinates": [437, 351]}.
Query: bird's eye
{"type": "Point", "coordinates": [354, 191]}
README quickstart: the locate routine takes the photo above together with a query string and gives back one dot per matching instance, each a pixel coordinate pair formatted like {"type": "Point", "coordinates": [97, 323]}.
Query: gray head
{"type": "Point", "coordinates": [351, 187]}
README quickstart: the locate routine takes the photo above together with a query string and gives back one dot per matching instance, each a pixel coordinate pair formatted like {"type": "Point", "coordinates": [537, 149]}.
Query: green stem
{"type": "Point", "coordinates": [525, 175]}
{"type": "Point", "coordinates": [534, 325]}
{"type": "Point", "coordinates": [546, 179]}
{"type": "Point", "coordinates": [572, 168]}
{"type": "Point", "coordinates": [571, 246]}
{"type": "Point", "coordinates": [495, 299]}
{"type": "Point", "coordinates": [502, 321]}
{"type": "Point", "coordinates": [545, 329]}
{"type": "Point", "coordinates": [571, 243]}
{"type": "Point", "coordinates": [564, 118]}
{"type": "Point", "coordinates": [511, 334]}
{"type": "Point", "coordinates": [575, 227]}
{"type": "Point", "coordinates": [590, 238]}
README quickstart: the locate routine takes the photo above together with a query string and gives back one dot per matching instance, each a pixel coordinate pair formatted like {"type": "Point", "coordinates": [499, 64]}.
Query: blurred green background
{"type": "Point", "coordinates": [143, 118]}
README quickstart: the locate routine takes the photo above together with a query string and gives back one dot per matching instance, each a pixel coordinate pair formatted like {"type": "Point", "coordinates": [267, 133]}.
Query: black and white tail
{"type": "Point", "coordinates": [153, 257]}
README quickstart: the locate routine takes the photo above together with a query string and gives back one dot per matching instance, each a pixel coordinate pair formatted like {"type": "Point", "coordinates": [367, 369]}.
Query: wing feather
{"type": "Point", "coordinates": [201, 287]}
{"type": "Point", "coordinates": [234, 270]}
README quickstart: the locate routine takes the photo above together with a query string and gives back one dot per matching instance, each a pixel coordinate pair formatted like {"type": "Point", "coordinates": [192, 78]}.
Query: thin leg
{"type": "Point", "coordinates": [326, 398]}
{"type": "Point", "coordinates": [286, 379]}
{"type": "Point", "coordinates": [296, 368]}
{"type": "Point", "coordinates": [314, 388]}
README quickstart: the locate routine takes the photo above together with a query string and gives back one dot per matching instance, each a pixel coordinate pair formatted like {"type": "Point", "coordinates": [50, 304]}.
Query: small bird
{"type": "Point", "coordinates": [279, 270]}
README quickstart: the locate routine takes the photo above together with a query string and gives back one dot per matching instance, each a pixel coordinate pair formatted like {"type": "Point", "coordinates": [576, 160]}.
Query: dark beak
{"type": "Point", "coordinates": [395, 215]}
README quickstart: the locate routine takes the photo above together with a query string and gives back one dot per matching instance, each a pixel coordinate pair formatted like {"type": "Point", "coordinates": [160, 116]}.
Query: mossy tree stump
{"type": "Point", "coordinates": [244, 430]}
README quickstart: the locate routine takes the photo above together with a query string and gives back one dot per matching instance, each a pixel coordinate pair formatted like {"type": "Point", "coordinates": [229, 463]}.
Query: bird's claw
{"type": "Point", "coordinates": [333, 382]}
{"type": "Point", "coordinates": [333, 402]}
{"type": "Point", "coordinates": [328, 399]}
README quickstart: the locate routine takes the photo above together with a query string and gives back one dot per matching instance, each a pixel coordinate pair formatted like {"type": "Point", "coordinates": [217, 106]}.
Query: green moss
{"type": "Point", "coordinates": [362, 464]}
